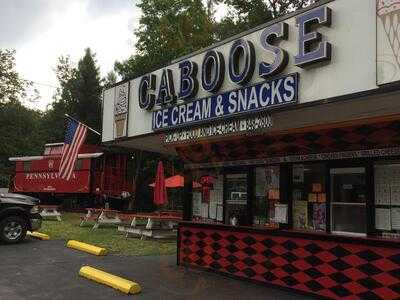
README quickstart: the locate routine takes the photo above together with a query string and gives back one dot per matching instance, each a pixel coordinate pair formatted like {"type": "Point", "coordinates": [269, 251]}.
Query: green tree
{"type": "Point", "coordinates": [12, 87]}
{"type": "Point", "coordinates": [79, 95]}
{"type": "Point", "coordinates": [245, 14]}
{"type": "Point", "coordinates": [168, 29]}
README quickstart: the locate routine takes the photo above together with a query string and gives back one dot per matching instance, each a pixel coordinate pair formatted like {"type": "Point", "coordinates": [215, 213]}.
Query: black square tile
{"type": "Point", "coordinates": [339, 265]}
{"type": "Point", "coordinates": [313, 285]}
{"type": "Point", "coordinates": [187, 242]}
{"type": "Point", "coordinates": [232, 239]}
{"type": "Point", "coordinates": [313, 273]}
{"type": "Point", "coordinates": [200, 253]}
{"type": "Point", "coordinates": [290, 269]}
{"type": "Point", "coordinates": [289, 280]}
{"type": "Point", "coordinates": [216, 237]}
{"type": "Point", "coordinates": [369, 283]}
{"type": "Point", "coordinates": [339, 251]}
{"type": "Point", "coordinates": [313, 248]}
{"type": "Point", "coordinates": [369, 255]}
{"type": "Point", "coordinates": [289, 256]}
{"type": "Point", "coordinates": [395, 273]}
{"type": "Point", "coordinates": [313, 260]}
{"type": "Point", "coordinates": [200, 262]}
{"type": "Point", "coordinates": [269, 276]}
{"type": "Point", "coordinates": [395, 258]}
{"type": "Point", "coordinates": [201, 244]}
{"type": "Point", "coordinates": [249, 272]}
{"type": "Point", "coordinates": [216, 246]}
{"type": "Point", "coordinates": [249, 240]}
{"type": "Point", "coordinates": [340, 291]}
{"type": "Point", "coordinates": [187, 233]}
{"type": "Point", "coordinates": [232, 269]}
{"type": "Point", "coordinates": [369, 296]}
{"type": "Point", "coordinates": [249, 261]}
{"type": "Point", "coordinates": [290, 245]}
{"type": "Point", "coordinates": [232, 259]}
{"type": "Point", "coordinates": [249, 251]}
{"type": "Point", "coordinates": [201, 235]}
{"type": "Point", "coordinates": [340, 278]}
{"type": "Point", "coordinates": [215, 265]}
{"type": "Point", "coordinates": [269, 254]}
{"type": "Point", "coordinates": [369, 269]}
{"type": "Point", "coordinates": [268, 243]}
{"type": "Point", "coordinates": [232, 248]}
{"type": "Point", "coordinates": [216, 256]}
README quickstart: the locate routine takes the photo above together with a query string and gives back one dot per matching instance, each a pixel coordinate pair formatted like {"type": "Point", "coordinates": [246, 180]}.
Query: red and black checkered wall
{"type": "Point", "coordinates": [332, 269]}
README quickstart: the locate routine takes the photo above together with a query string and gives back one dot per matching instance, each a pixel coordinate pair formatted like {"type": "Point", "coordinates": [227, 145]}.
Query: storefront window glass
{"type": "Point", "coordinates": [309, 197]}
{"type": "Point", "coordinates": [236, 199]}
{"type": "Point", "coordinates": [348, 200]}
{"type": "Point", "coordinates": [387, 199]}
{"type": "Point", "coordinates": [208, 197]}
{"type": "Point", "coordinates": [267, 196]}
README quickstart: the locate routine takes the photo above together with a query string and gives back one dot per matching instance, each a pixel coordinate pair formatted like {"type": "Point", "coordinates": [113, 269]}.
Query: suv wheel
{"type": "Point", "coordinates": [12, 229]}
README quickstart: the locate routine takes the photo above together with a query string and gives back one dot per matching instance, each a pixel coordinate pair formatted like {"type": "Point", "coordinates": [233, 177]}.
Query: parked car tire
{"type": "Point", "coordinates": [12, 229]}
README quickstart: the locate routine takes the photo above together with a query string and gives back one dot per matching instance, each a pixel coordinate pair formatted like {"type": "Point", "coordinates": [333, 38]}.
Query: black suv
{"type": "Point", "coordinates": [18, 213]}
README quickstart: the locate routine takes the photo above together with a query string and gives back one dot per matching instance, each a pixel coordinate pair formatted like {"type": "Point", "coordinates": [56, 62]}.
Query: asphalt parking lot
{"type": "Point", "coordinates": [48, 270]}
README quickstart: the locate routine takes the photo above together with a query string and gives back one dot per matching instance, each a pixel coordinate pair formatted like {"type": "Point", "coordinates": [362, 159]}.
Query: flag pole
{"type": "Point", "coordinates": [91, 129]}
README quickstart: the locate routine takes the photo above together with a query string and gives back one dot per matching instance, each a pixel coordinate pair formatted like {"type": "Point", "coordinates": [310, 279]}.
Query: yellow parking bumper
{"type": "Point", "coordinates": [86, 248]}
{"type": "Point", "coordinates": [121, 284]}
{"type": "Point", "coordinates": [38, 235]}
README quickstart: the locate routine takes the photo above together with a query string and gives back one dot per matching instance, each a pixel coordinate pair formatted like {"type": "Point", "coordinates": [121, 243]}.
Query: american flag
{"type": "Point", "coordinates": [74, 138]}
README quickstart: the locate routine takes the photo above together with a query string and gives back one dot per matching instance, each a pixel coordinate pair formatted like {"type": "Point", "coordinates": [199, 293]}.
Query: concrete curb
{"type": "Point", "coordinates": [38, 235]}
{"type": "Point", "coordinates": [86, 248]}
{"type": "Point", "coordinates": [119, 283]}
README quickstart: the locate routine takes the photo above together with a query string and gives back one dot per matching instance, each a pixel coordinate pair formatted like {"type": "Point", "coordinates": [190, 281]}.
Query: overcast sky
{"type": "Point", "coordinates": [42, 30]}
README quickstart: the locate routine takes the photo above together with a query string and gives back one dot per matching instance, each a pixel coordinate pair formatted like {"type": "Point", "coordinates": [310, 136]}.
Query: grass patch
{"type": "Point", "coordinates": [107, 237]}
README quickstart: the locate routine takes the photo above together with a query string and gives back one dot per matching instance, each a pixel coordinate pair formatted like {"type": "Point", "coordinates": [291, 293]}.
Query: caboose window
{"type": "Point", "coordinates": [27, 166]}
{"type": "Point", "coordinates": [78, 164]}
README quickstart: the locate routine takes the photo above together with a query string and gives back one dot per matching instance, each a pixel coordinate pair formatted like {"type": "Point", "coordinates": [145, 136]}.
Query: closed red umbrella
{"type": "Point", "coordinates": [160, 190]}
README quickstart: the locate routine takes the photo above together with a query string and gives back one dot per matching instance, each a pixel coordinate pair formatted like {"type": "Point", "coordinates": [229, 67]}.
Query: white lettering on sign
{"type": "Point", "coordinates": [225, 128]}
{"type": "Point", "coordinates": [44, 175]}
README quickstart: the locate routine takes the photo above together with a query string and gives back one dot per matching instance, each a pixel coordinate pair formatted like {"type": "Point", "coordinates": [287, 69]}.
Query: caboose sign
{"type": "Point", "coordinates": [161, 93]}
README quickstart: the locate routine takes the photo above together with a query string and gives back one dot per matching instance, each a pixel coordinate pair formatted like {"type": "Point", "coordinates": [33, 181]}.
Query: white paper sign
{"type": "Point", "coordinates": [382, 194]}
{"type": "Point", "coordinates": [396, 218]}
{"type": "Point", "coordinates": [281, 213]}
{"type": "Point", "coordinates": [197, 204]}
{"type": "Point", "coordinates": [220, 213]}
{"type": "Point", "coordinates": [382, 219]}
{"type": "Point", "coordinates": [395, 194]}
{"type": "Point", "coordinates": [204, 210]}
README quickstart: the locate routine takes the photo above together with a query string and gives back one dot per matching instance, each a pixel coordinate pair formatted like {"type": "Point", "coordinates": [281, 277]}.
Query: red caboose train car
{"type": "Point", "coordinates": [98, 174]}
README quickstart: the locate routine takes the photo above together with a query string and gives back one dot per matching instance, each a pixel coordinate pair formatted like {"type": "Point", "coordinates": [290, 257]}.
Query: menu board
{"type": "Point", "coordinates": [382, 219]}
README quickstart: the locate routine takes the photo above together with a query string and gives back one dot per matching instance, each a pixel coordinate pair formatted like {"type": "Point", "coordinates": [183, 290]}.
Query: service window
{"type": "Point", "coordinates": [309, 197]}
{"type": "Point", "coordinates": [387, 199]}
{"type": "Point", "coordinates": [208, 195]}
